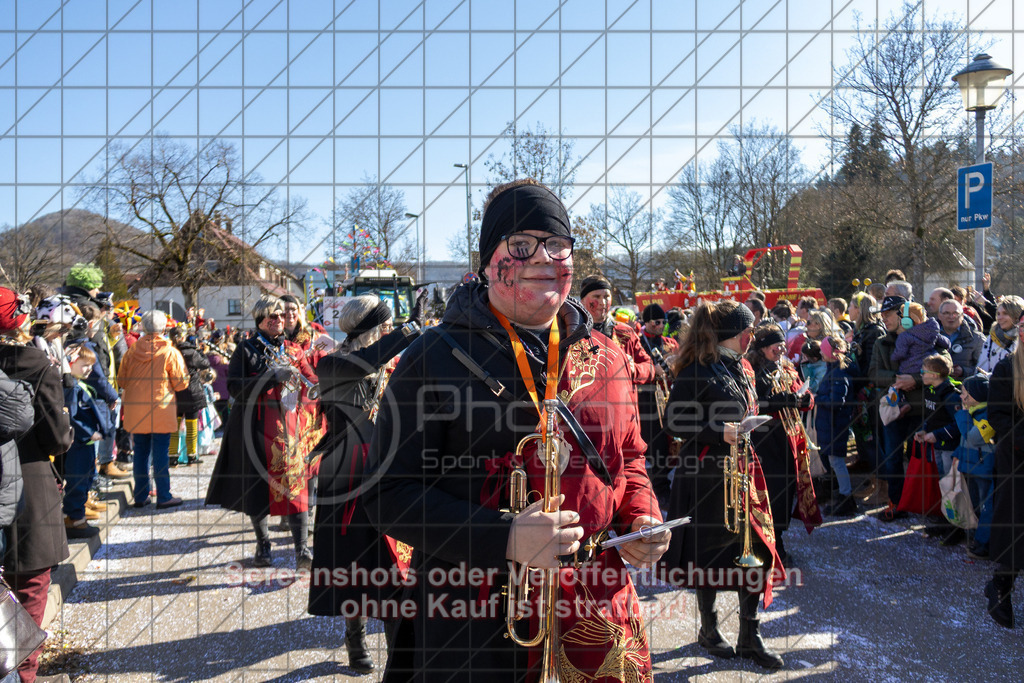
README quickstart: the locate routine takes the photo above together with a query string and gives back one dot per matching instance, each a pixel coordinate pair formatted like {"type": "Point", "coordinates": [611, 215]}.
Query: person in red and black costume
{"type": "Point", "coordinates": [781, 445]}
{"type": "Point", "coordinates": [713, 392]}
{"type": "Point", "coordinates": [651, 397]}
{"type": "Point", "coordinates": [459, 402]}
{"type": "Point", "coordinates": [596, 297]}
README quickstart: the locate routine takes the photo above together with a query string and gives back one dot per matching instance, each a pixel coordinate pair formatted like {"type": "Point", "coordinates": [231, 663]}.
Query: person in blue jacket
{"type": "Point", "coordinates": [90, 424]}
{"type": "Point", "coordinates": [834, 398]}
{"type": "Point", "coordinates": [975, 458]}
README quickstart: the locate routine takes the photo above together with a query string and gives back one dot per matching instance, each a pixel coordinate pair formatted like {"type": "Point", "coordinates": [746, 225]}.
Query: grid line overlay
{"type": "Point", "coordinates": [459, 122]}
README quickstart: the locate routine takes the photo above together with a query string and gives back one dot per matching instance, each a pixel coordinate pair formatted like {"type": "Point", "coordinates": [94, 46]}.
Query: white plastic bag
{"type": "Point", "coordinates": [956, 501]}
{"type": "Point", "coordinates": [813, 453]}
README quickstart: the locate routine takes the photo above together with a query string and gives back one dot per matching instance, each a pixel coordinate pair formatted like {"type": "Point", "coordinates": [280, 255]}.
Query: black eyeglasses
{"type": "Point", "coordinates": [522, 246]}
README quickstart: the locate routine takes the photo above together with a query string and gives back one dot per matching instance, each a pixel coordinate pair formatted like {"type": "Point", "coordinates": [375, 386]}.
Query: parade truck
{"type": "Point", "coordinates": [739, 287]}
{"type": "Point", "coordinates": [398, 292]}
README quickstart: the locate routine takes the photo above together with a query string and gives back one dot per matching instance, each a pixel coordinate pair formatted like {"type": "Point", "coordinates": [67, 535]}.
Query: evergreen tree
{"type": "Point", "coordinates": [113, 278]}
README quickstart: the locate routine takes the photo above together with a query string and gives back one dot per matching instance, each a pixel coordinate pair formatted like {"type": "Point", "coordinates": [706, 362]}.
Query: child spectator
{"type": "Point", "coordinates": [975, 458]}
{"type": "Point", "coordinates": [834, 400]}
{"type": "Point", "coordinates": [812, 365]}
{"type": "Point", "coordinates": [90, 425]}
{"type": "Point", "coordinates": [921, 340]}
{"type": "Point", "coordinates": [941, 403]}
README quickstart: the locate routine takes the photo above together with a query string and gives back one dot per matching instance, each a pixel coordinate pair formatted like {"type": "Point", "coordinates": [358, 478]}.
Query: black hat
{"type": "Point", "coordinates": [519, 208]}
{"type": "Point", "coordinates": [892, 303]}
{"type": "Point", "coordinates": [652, 312]}
{"type": "Point", "coordinates": [977, 387]}
{"type": "Point", "coordinates": [593, 283]}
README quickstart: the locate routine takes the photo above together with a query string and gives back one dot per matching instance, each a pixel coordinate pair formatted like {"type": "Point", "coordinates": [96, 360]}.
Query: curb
{"type": "Point", "coordinates": [65, 575]}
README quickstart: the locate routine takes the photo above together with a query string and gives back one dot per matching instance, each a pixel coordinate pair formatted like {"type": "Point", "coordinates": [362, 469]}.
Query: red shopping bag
{"type": "Point", "coordinates": [921, 493]}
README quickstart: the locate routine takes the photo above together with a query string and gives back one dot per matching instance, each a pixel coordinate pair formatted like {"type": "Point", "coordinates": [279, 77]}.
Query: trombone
{"type": "Point", "coordinates": [738, 484]}
{"type": "Point", "coordinates": [518, 588]}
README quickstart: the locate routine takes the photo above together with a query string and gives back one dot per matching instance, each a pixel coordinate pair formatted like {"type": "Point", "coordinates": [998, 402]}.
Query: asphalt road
{"type": "Point", "coordinates": [164, 600]}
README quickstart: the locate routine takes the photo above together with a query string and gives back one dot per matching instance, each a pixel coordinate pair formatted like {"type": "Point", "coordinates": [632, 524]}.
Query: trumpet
{"type": "Point", "coordinates": [518, 588]}
{"type": "Point", "coordinates": [661, 386]}
{"type": "Point", "coordinates": [738, 483]}
{"type": "Point", "coordinates": [277, 357]}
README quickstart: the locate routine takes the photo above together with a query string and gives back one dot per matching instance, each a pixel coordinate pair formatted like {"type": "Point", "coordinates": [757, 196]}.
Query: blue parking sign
{"type": "Point", "coordinates": [974, 197]}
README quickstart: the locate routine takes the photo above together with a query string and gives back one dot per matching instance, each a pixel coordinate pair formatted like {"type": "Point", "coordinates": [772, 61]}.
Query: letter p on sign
{"type": "Point", "coordinates": [975, 182]}
{"type": "Point", "coordinates": [974, 197]}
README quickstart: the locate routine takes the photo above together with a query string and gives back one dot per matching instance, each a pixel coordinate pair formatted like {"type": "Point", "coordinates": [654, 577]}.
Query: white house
{"type": "Point", "coordinates": [238, 276]}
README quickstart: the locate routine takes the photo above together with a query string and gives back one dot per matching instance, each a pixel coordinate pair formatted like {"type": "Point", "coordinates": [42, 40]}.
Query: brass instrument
{"type": "Point", "coordinates": [517, 590]}
{"type": "Point", "coordinates": [738, 483]}
{"type": "Point", "coordinates": [791, 420]}
{"type": "Point", "coordinates": [661, 387]}
{"type": "Point", "coordinates": [277, 357]}
{"type": "Point", "coordinates": [380, 382]}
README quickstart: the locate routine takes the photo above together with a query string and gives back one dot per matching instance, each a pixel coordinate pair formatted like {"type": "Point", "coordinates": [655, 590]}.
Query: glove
{"type": "Point", "coordinates": [418, 311]}
{"type": "Point", "coordinates": [805, 400]}
{"type": "Point", "coordinates": [279, 375]}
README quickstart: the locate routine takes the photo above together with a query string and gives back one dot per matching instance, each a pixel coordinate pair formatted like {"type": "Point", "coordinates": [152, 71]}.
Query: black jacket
{"type": "Point", "coordinates": [16, 415]}
{"type": "Point", "coordinates": [37, 539]}
{"type": "Point", "coordinates": [863, 348]}
{"type": "Point", "coordinates": [443, 440]}
{"type": "Point", "coordinates": [192, 400]}
{"type": "Point", "coordinates": [1007, 540]}
{"type": "Point", "coordinates": [703, 399]}
{"type": "Point", "coordinates": [343, 535]}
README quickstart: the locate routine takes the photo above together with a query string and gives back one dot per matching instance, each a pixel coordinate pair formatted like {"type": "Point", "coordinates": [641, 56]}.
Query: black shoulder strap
{"type": "Point", "coordinates": [594, 458]}
{"type": "Point", "coordinates": [460, 355]}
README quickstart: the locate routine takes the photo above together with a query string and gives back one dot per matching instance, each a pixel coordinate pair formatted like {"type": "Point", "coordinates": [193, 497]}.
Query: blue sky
{"type": "Point", "coordinates": [319, 93]}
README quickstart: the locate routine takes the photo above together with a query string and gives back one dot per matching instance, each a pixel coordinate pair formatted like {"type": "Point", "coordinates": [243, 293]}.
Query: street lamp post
{"type": "Point", "coordinates": [981, 85]}
{"type": "Point", "coordinates": [421, 247]}
{"type": "Point", "coordinates": [469, 219]}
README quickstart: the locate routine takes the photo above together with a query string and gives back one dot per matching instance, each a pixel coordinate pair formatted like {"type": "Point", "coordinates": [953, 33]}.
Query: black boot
{"type": "Point", "coordinates": [998, 592]}
{"type": "Point", "coordinates": [262, 558]}
{"type": "Point", "coordinates": [749, 643]}
{"type": "Point", "coordinates": [710, 638]}
{"type": "Point", "coordinates": [355, 642]}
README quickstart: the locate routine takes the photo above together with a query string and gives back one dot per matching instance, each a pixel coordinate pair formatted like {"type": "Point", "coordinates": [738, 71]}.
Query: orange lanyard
{"type": "Point", "coordinates": [524, 366]}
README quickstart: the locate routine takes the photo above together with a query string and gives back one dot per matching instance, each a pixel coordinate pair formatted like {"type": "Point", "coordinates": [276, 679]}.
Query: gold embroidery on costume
{"type": "Point", "coordinates": [624, 658]}
{"type": "Point", "coordinates": [584, 359]}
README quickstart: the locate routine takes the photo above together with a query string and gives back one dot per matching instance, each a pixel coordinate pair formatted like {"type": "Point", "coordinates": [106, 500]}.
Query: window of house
{"type": "Point", "coordinates": [234, 307]}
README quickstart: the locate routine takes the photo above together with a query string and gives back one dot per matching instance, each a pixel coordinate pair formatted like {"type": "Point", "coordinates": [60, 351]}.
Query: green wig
{"type": "Point", "coordinates": [85, 275]}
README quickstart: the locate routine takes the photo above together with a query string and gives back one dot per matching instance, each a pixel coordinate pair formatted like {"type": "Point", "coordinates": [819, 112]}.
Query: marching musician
{"type": "Point", "coordinates": [713, 392]}
{"type": "Point", "coordinates": [781, 445]}
{"type": "Point", "coordinates": [651, 398]}
{"type": "Point", "coordinates": [596, 297]}
{"type": "Point", "coordinates": [350, 378]}
{"type": "Point", "coordinates": [262, 468]}
{"type": "Point", "coordinates": [463, 396]}
{"type": "Point", "coordinates": [311, 337]}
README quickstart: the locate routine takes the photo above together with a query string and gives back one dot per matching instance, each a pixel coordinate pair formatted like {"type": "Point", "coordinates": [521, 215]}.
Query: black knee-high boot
{"type": "Point", "coordinates": [998, 592]}
{"type": "Point", "coordinates": [710, 638]}
{"type": "Point", "coordinates": [749, 643]}
{"type": "Point", "coordinates": [355, 642]}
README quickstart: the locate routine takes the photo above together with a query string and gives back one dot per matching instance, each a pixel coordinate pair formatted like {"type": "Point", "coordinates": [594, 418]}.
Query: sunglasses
{"type": "Point", "coordinates": [276, 316]}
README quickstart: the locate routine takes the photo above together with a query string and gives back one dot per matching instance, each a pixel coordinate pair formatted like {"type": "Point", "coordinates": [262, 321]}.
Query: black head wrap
{"type": "Point", "coordinates": [593, 284]}
{"type": "Point", "coordinates": [524, 207]}
{"type": "Point", "coordinates": [772, 336]}
{"type": "Point", "coordinates": [652, 312]}
{"type": "Point", "coordinates": [377, 316]}
{"type": "Point", "coordinates": [734, 322]}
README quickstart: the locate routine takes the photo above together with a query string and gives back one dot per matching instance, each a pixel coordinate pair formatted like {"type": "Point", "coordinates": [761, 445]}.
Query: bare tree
{"type": "Point", "coordinates": [898, 78]}
{"type": "Point", "coordinates": [627, 228]}
{"type": "Point", "coordinates": [700, 213]}
{"type": "Point", "coordinates": [538, 153]}
{"type": "Point", "coordinates": [184, 200]}
{"type": "Point", "coordinates": [28, 257]}
{"type": "Point", "coordinates": [379, 209]}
